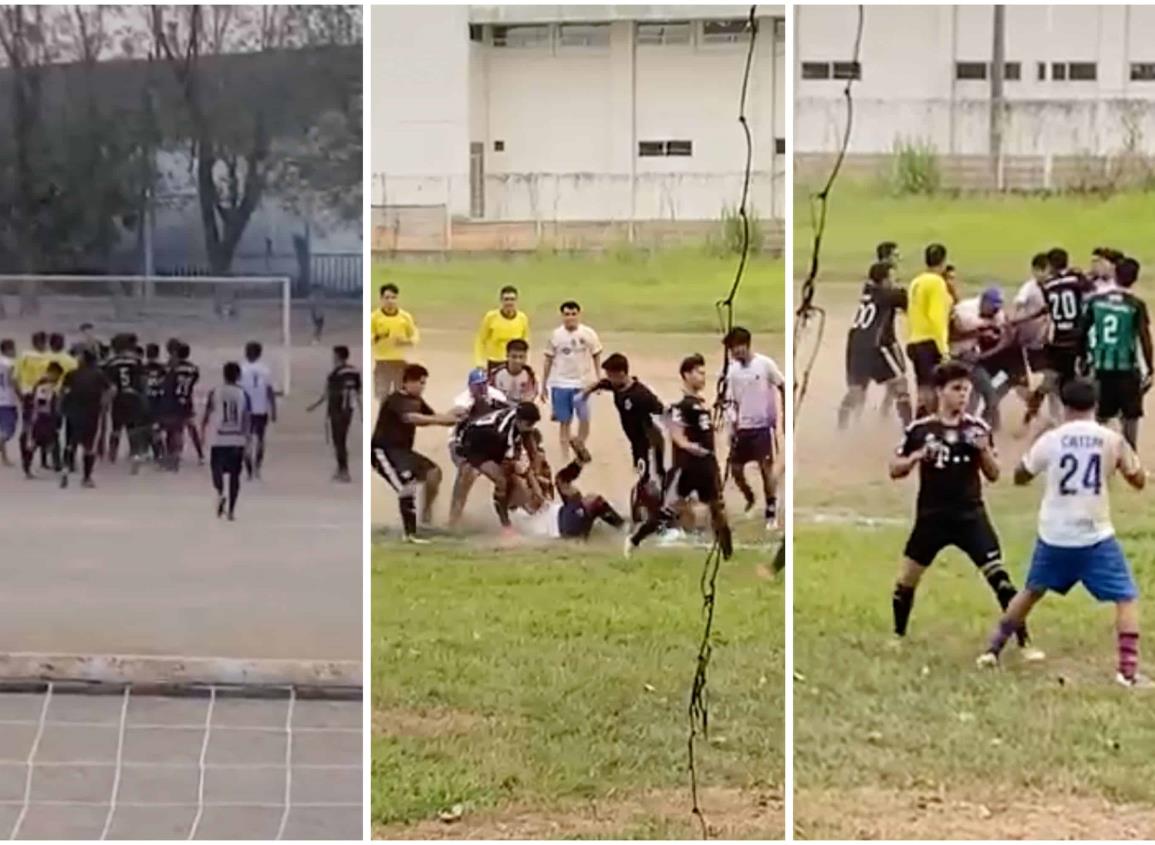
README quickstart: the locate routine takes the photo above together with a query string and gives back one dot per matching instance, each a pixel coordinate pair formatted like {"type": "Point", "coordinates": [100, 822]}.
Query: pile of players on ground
{"type": "Point", "coordinates": [1087, 337]}
{"type": "Point", "coordinates": [495, 432]}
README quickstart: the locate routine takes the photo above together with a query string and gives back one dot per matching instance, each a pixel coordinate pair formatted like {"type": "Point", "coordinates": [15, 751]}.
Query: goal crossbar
{"type": "Point", "coordinates": [146, 283]}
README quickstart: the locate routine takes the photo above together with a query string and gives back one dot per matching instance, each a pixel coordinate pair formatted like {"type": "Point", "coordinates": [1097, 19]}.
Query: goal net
{"type": "Point", "coordinates": [216, 315]}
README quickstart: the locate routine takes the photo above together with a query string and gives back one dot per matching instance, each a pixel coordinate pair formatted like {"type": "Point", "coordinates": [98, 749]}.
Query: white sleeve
{"type": "Point", "coordinates": [776, 377]}
{"type": "Point", "coordinates": [1038, 457]}
{"type": "Point", "coordinates": [550, 349]}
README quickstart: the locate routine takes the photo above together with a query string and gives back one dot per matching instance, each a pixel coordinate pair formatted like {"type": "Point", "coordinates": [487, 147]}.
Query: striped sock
{"type": "Point", "coordinates": [1128, 654]}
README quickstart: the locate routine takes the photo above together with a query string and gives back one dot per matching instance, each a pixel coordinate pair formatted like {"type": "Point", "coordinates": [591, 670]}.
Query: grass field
{"type": "Point", "coordinates": [917, 743]}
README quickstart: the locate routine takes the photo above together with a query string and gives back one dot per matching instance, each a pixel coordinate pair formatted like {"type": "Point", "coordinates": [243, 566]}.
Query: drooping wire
{"type": "Point", "coordinates": [819, 207]}
{"type": "Point", "coordinates": [698, 709]}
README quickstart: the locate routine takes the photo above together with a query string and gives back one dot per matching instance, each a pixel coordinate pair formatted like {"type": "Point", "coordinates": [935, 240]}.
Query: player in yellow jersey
{"type": "Point", "coordinates": [498, 328]}
{"type": "Point", "coordinates": [928, 316]}
{"type": "Point", "coordinates": [393, 332]}
{"type": "Point", "coordinates": [57, 353]}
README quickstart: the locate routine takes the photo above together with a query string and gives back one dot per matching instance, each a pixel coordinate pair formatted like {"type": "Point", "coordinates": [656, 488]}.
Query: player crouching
{"type": "Point", "coordinates": [493, 444]}
{"type": "Point", "coordinates": [1076, 542]}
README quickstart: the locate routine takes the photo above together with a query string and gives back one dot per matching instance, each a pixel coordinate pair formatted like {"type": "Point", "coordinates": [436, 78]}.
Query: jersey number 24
{"type": "Point", "coordinates": [1079, 476]}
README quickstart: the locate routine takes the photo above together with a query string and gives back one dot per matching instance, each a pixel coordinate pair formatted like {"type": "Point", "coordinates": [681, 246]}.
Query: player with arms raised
{"type": "Point", "coordinates": [872, 350]}
{"type": "Point", "coordinates": [1076, 542]}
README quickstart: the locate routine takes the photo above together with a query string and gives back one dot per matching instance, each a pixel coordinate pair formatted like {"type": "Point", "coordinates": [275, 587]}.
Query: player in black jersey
{"type": "Point", "coordinates": [155, 373]}
{"type": "Point", "coordinates": [1065, 293]}
{"type": "Point", "coordinates": [638, 409]}
{"type": "Point", "coordinates": [479, 399]}
{"type": "Point", "coordinates": [494, 444]}
{"type": "Point", "coordinates": [84, 398]}
{"type": "Point", "coordinates": [343, 397]}
{"type": "Point", "coordinates": [951, 449]}
{"type": "Point", "coordinates": [126, 373]}
{"type": "Point", "coordinates": [873, 353]}
{"type": "Point", "coordinates": [179, 414]}
{"type": "Point", "coordinates": [695, 466]}
{"type": "Point", "coordinates": [393, 456]}
{"type": "Point", "coordinates": [43, 421]}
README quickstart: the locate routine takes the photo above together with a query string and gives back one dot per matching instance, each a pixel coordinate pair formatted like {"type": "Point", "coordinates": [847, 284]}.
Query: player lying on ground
{"type": "Point", "coordinates": [478, 399]}
{"type": "Point", "coordinates": [230, 436]}
{"type": "Point", "coordinates": [695, 467]}
{"type": "Point", "coordinates": [342, 398]}
{"type": "Point", "coordinates": [951, 449]}
{"type": "Point", "coordinates": [572, 355]}
{"type": "Point", "coordinates": [494, 444]}
{"type": "Point", "coordinates": [873, 353]}
{"type": "Point", "coordinates": [573, 515]}
{"type": "Point", "coordinates": [1076, 541]}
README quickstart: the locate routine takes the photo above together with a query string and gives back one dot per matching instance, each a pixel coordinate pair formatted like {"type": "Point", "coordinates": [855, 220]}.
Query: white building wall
{"type": "Point", "coordinates": [908, 88]}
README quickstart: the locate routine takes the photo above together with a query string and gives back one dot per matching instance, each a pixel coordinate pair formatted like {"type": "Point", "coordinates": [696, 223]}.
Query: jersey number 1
{"type": "Point", "coordinates": [1091, 477]}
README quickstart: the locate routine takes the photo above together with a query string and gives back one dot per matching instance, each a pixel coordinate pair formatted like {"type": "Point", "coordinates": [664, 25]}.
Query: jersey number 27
{"type": "Point", "coordinates": [1076, 474]}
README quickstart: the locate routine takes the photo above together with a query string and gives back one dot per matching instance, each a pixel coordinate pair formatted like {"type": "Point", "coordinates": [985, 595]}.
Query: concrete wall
{"type": "Point", "coordinates": [909, 89]}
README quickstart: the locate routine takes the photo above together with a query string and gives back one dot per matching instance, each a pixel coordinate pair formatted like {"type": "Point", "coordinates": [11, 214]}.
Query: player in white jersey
{"type": "Point", "coordinates": [757, 391]}
{"type": "Point", "coordinates": [257, 381]}
{"type": "Point", "coordinates": [9, 398]}
{"type": "Point", "coordinates": [230, 404]}
{"type": "Point", "coordinates": [1076, 542]}
{"type": "Point", "coordinates": [572, 356]}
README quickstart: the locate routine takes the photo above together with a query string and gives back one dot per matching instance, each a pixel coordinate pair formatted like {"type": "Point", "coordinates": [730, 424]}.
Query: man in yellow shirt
{"type": "Point", "coordinates": [498, 328]}
{"type": "Point", "coordinates": [32, 364]}
{"type": "Point", "coordinates": [928, 315]}
{"type": "Point", "coordinates": [392, 332]}
{"type": "Point", "coordinates": [57, 353]}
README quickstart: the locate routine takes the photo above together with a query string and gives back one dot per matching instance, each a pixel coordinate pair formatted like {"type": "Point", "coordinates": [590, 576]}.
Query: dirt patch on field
{"type": "Point", "coordinates": [426, 724]}
{"type": "Point", "coordinates": [730, 813]}
{"type": "Point", "coordinates": [919, 814]}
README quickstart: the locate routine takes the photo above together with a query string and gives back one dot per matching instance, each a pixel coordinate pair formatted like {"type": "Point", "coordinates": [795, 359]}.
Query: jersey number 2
{"type": "Point", "coordinates": [1091, 477]}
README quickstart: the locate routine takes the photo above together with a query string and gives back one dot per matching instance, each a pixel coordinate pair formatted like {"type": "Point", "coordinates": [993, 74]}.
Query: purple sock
{"type": "Point", "coordinates": [1128, 654]}
{"type": "Point", "coordinates": [1003, 632]}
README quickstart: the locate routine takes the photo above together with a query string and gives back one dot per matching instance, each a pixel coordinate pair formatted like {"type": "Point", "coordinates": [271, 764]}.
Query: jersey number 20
{"type": "Point", "coordinates": [864, 315]}
{"type": "Point", "coordinates": [1089, 477]}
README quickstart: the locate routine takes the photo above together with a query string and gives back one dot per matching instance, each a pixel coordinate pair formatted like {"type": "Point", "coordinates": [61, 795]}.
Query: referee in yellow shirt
{"type": "Point", "coordinates": [498, 328]}
{"type": "Point", "coordinates": [392, 332]}
{"type": "Point", "coordinates": [928, 315]}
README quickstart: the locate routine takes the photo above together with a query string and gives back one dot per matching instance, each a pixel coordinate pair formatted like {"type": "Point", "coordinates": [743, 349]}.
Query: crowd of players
{"type": "Point", "coordinates": [1086, 338]}
{"type": "Point", "coordinates": [495, 432]}
{"type": "Point", "coordinates": [73, 405]}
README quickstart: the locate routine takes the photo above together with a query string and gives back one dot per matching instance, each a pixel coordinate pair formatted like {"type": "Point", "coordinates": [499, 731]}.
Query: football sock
{"type": "Point", "coordinates": [1128, 644]}
{"type": "Point", "coordinates": [1002, 633]}
{"type": "Point", "coordinates": [1004, 590]}
{"type": "Point", "coordinates": [408, 504]}
{"type": "Point", "coordinates": [1131, 432]}
{"type": "Point", "coordinates": [902, 602]}
{"type": "Point", "coordinates": [89, 463]}
{"type": "Point", "coordinates": [234, 490]}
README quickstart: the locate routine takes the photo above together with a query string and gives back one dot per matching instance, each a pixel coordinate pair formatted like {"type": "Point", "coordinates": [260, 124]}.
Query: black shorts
{"type": "Point", "coordinates": [478, 447]}
{"type": "Point", "coordinates": [879, 365]}
{"type": "Point", "coordinates": [699, 478]}
{"type": "Point", "coordinates": [227, 460]}
{"type": "Point", "coordinates": [924, 357]}
{"type": "Point", "coordinates": [649, 464]}
{"type": "Point", "coordinates": [81, 430]}
{"type": "Point", "coordinates": [752, 444]}
{"type": "Point", "coordinates": [45, 431]}
{"type": "Point", "coordinates": [1037, 359]}
{"type": "Point", "coordinates": [1010, 362]}
{"type": "Point", "coordinates": [401, 468]}
{"type": "Point", "coordinates": [258, 423]}
{"type": "Point", "coordinates": [971, 532]}
{"type": "Point", "coordinates": [127, 411]}
{"type": "Point", "coordinates": [1120, 394]}
{"type": "Point", "coordinates": [1062, 361]}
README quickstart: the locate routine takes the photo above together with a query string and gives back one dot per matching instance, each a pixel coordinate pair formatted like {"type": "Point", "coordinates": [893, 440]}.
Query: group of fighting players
{"type": "Point", "coordinates": [495, 436]}
{"type": "Point", "coordinates": [1088, 336]}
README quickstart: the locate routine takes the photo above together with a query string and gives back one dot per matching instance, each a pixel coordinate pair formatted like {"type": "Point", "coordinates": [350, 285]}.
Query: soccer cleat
{"type": "Point", "coordinates": [749, 508]}
{"type": "Point", "coordinates": [987, 660]}
{"type": "Point", "coordinates": [88, 484]}
{"type": "Point", "coordinates": [581, 452]}
{"type": "Point", "coordinates": [1135, 682]}
{"type": "Point", "coordinates": [222, 503]}
{"type": "Point", "coordinates": [63, 481]}
{"type": "Point", "coordinates": [232, 517]}
{"type": "Point", "coordinates": [414, 540]}
{"type": "Point", "coordinates": [1033, 655]}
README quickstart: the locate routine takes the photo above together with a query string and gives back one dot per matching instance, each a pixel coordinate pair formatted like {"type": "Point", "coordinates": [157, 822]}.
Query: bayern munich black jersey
{"type": "Point", "coordinates": [693, 416]}
{"type": "Point", "coordinates": [948, 476]}
{"type": "Point", "coordinates": [493, 436]}
{"type": "Point", "coordinates": [637, 406]}
{"type": "Point", "coordinates": [180, 384]}
{"type": "Point", "coordinates": [1065, 295]}
{"type": "Point", "coordinates": [125, 372]}
{"type": "Point", "coordinates": [873, 325]}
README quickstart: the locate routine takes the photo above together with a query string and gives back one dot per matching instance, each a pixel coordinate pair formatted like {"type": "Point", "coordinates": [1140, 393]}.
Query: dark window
{"type": "Point", "coordinates": [1042, 71]}
{"type": "Point", "coordinates": [1013, 71]}
{"type": "Point", "coordinates": [847, 70]}
{"type": "Point", "coordinates": [725, 32]}
{"type": "Point", "coordinates": [1058, 71]}
{"type": "Point", "coordinates": [584, 35]}
{"type": "Point", "coordinates": [499, 146]}
{"type": "Point", "coordinates": [1082, 71]}
{"type": "Point", "coordinates": [816, 70]}
{"type": "Point", "coordinates": [663, 32]}
{"type": "Point", "coordinates": [679, 148]}
{"type": "Point", "coordinates": [647, 149]}
{"type": "Point", "coordinates": [523, 35]}
{"type": "Point", "coordinates": [476, 32]}
{"type": "Point", "coordinates": [1143, 71]}
{"type": "Point", "coordinates": [780, 146]}
{"type": "Point", "coordinates": [970, 70]}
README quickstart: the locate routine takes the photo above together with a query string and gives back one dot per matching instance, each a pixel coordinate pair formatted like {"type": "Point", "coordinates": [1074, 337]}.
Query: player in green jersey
{"type": "Point", "coordinates": [1116, 327]}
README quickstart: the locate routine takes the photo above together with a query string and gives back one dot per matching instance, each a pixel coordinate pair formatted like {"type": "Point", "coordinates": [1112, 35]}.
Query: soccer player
{"type": "Point", "coordinates": [639, 411]}
{"type": "Point", "coordinates": [1065, 292]}
{"type": "Point", "coordinates": [572, 354]}
{"type": "Point", "coordinates": [1104, 260]}
{"type": "Point", "coordinates": [574, 514]}
{"type": "Point", "coordinates": [872, 350]}
{"type": "Point", "coordinates": [393, 456]}
{"type": "Point", "coordinates": [84, 397]}
{"type": "Point", "coordinates": [57, 353]}
{"type": "Point", "coordinates": [343, 397]}
{"type": "Point", "coordinates": [43, 421]}
{"type": "Point", "coordinates": [515, 378]}
{"type": "Point", "coordinates": [257, 381]}
{"type": "Point", "coordinates": [887, 253]}
{"type": "Point", "coordinates": [478, 399]}
{"type": "Point", "coordinates": [230, 437]}
{"type": "Point", "coordinates": [393, 332]}
{"type": "Point", "coordinates": [492, 444]}
{"type": "Point", "coordinates": [9, 397]}
{"type": "Point", "coordinates": [695, 467]}
{"type": "Point", "coordinates": [979, 336]}
{"type": "Point", "coordinates": [757, 392]}
{"type": "Point", "coordinates": [928, 312]}
{"type": "Point", "coordinates": [1029, 320]}
{"type": "Point", "coordinates": [179, 405]}
{"type": "Point", "coordinates": [155, 373]}
{"type": "Point", "coordinates": [498, 328]}
{"type": "Point", "coordinates": [952, 451]}
{"type": "Point", "coordinates": [1116, 326]}
{"type": "Point", "coordinates": [1076, 540]}
{"type": "Point", "coordinates": [126, 373]}
{"type": "Point", "coordinates": [89, 341]}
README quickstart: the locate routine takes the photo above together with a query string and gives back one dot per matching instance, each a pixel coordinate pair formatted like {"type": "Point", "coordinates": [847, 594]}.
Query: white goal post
{"type": "Point", "coordinates": [141, 298]}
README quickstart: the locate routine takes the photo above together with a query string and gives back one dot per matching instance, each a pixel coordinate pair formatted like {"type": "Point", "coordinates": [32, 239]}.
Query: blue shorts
{"type": "Point", "coordinates": [1101, 568]}
{"type": "Point", "coordinates": [567, 403]}
{"type": "Point", "coordinates": [9, 417]}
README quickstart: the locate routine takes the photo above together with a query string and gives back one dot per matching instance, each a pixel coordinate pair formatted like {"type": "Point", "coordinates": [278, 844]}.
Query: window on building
{"type": "Point", "coordinates": [584, 35]}
{"type": "Point", "coordinates": [1042, 71]}
{"type": "Point", "coordinates": [499, 146]}
{"type": "Point", "coordinates": [816, 70]}
{"type": "Point", "coordinates": [522, 35]}
{"type": "Point", "coordinates": [655, 149]}
{"type": "Point", "coordinates": [664, 32]}
{"type": "Point", "coordinates": [1143, 71]}
{"type": "Point", "coordinates": [1059, 71]}
{"type": "Point", "coordinates": [679, 148]}
{"type": "Point", "coordinates": [1082, 71]}
{"type": "Point", "coordinates": [1013, 71]}
{"type": "Point", "coordinates": [476, 32]}
{"type": "Point", "coordinates": [847, 70]}
{"type": "Point", "coordinates": [725, 32]}
{"type": "Point", "coordinates": [970, 70]}
{"type": "Point", "coordinates": [780, 146]}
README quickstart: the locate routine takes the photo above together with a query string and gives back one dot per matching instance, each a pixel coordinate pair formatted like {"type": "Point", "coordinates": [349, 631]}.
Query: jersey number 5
{"type": "Point", "coordinates": [1090, 476]}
